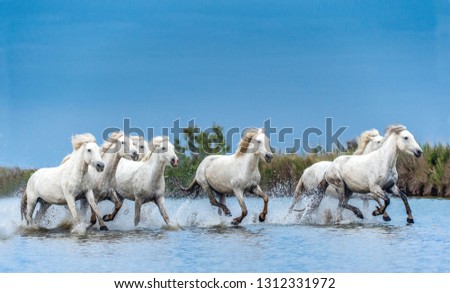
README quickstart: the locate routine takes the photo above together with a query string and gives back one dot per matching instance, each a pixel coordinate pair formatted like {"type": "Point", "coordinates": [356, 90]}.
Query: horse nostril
{"type": "Point", "coordinates": [100, 165]}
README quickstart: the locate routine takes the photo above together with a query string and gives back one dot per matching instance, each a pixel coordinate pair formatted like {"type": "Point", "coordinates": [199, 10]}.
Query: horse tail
{"type": "Point", "coordinates": [299, 189]}
{"type": "Point", "coordinates": [194, 186]}
{"type": "Point", "coordinates": [23, 204]}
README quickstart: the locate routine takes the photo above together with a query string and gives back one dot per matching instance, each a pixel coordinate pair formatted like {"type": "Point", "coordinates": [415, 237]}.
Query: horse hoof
{"type": "Point", "coordinates": [360, 216]}
{"type": "Point", "coordinates": [410, 221]}
{"type": "Point", "coordinates": [262, 218]}
{"type": "Point", "coordinates": [107, 218]}
{"type": "Point", "coordinates": [228, 214]}
{"type": "Point", "coordinates": [235, 222]}
{"type": "Point", "coordinates": [103, 228]}
{"type": "Point", "coordinates": [386, 218]}
{"type": "Point", "coordinates": [375, 213]}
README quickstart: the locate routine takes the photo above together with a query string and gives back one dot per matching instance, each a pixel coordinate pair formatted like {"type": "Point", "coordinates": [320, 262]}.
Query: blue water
{"type": "Point", "coordinates": [207, 242]}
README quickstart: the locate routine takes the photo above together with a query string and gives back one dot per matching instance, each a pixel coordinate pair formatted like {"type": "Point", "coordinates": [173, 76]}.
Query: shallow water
{"type": "Point", "coordinates": [207, 242]}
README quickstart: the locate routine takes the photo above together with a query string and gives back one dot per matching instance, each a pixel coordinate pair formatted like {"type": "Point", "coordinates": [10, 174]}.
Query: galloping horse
{"type": "Point", "coordinates": [143, 181]}
{"type": "Point", "coordinates": [235, 174]}
{"type": "Point", "coordinates": [63, 184]}
{"type": "Point", "coordinates": [368, 141]}
{"type": "Point", "coordinates": [373, 173]}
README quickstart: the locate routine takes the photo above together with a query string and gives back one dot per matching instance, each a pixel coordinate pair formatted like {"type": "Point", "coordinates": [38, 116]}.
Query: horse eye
{"type": "Point", "coordinates": [163, 148]}
{"type": "Point", "coordinates": [123, 142]}
{"type": "Point", "coordinates": [89, 150]}
{"type": "Point", "coordinates": [259, 141]}
{"type": "Point", "coordinates": [141, 147]}
{"type": "Point", "coordinates": [406, 138]}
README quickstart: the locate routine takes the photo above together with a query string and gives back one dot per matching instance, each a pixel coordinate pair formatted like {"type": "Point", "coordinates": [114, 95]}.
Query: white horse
{"type": "Point", "coordinates": [235, 174]}
{"type": "Point", "coordinates": [141, 145]}
{"type": "Point", "coordinates": [368, 141]}
{"type": "Point", "coordinates": [63, 184]}
{"type": "Point", "coordinates": [116, 147]}
{"type": "Point", "coordinates": [143, 181]}
{"type": "Point", "coordinates": [373, 173]}
{"type": "Point", "coordinates": [105, 183]}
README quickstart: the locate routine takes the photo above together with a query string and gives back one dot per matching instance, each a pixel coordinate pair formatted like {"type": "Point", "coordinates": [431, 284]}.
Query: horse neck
{"type": "Point", "coordinates": [111, 163]}
{"type": "Point", "coordinates": [388, 152]}
{"type": "Point", "coordinates": [156, 166]}
{"type": "Point", "coordinates": [79, 166]}
{"type": "Point", "coordinates": [368, 148]}
{"type": "Point", "coordinates": [250, 161]}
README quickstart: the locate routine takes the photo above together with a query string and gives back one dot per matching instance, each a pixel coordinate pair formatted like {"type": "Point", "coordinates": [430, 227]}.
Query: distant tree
{"type": "Point", "coordinates": [199, 144]}
{"type": "Point", "coordinates": [352, 145]}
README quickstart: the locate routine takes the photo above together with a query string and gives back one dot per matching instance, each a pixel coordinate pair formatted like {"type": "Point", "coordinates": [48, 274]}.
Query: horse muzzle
{"type": "Point", "coordinates": [174, 162]}
{"type": "Point", "coordinates": [100, 166]}
{"type": "Point", "coordinates": [135, 156]}
{"type": "Point", "coordinates": [418, 153]}
{"type": "Point", "coordinates": [268, 157]}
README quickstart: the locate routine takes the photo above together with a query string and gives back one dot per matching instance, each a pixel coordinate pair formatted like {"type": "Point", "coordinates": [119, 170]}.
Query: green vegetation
{"type": "Point", "coordinates": [12, 180]}
{"type": "Point", "coordinates": [426, 176]}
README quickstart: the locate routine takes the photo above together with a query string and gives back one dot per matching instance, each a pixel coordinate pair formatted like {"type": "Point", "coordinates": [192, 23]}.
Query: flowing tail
{"type": "Point", "coordinates": [193, 187]}
{"type": "Point", "coordinates": [299, 189]}
{"type": "Point", "coordinates": [23, 205]}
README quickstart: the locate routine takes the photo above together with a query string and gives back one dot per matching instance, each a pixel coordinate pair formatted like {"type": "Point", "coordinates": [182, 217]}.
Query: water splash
{"type": "Point", "coordinates": [184, 213]}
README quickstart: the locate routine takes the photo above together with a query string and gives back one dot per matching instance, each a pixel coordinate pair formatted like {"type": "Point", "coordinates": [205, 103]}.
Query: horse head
{"type": "Point", "coordinates": [141, 145]}
{"type": "Point", "coordinates": [262, 144]}
{"type": "Point", "coordinates": [121, 144]}
{"type": "Point", "coordinates": [405, 140]}
{"type": "Point", "coordinates": [162, 146]}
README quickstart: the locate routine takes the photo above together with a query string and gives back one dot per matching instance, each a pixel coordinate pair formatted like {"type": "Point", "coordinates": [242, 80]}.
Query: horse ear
{"type": "Point", "coordinates": [262, 130]}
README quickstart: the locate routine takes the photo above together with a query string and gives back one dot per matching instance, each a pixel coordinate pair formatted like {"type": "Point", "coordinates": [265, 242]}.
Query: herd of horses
{"type": "Point", "coordinates": [132, 168]}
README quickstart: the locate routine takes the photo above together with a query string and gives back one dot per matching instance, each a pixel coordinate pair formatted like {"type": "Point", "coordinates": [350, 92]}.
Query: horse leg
{"type": "Point", "coordinates": [223, 201]}
{"type": "Point", "coordinates": [161, 203]}
{"type": "Point", "coordinates": [214, 201]}
{"type": "Point", "coordinates": [258, 191]}
{"type": "Point", "coordinates": [84, 206]}
{"type": "Point", "coordinates": [93, 217]}
{"type": "Point", "coordinates": [377, 193]}
{"type": "Point", "coordinates": [42, 210]}
{"type": "Point", "coordinates": [240, 197]}
{"type": "Point", "coordinates": [70, 200]}
{"type": "Point", "coordinates": [386, 216]}
{"type": "Point", "coordinates": [92, 202]}
{"type": "Point", "coordinates": [137, 211]}
{"type": "Point", "coordinates": [117, 206]}
{"type": "Point", "coordinates": [343, 201]}
{"type": "Point", "coordinates": [399, 193]}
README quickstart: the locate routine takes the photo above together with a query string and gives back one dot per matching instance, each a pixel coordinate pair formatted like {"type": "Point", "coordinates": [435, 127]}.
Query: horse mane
{"type": "Point", "coordinates": [79, 139]}
{"type": "Point", "coordinates": [394, 129]}
{"type": "Point", "coordinates": [245, 140]}
{"type": "Point", "coordinates": [110, 141]}
{"type": "Point", "coordinates": [66, 158]}
{"type": "Point", "coordinates": [155, 141]}
{"type": "Point", "coordinates": [364, 139]}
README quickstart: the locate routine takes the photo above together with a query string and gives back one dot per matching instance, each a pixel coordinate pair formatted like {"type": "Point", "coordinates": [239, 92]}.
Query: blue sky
{"type": "Point", "coordinates": [81, 66]}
